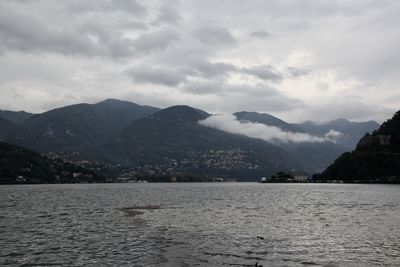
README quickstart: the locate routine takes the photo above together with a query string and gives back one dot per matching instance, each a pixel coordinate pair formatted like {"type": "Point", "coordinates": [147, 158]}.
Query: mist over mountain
{"type": "Point", "coordinates": [173, 139]}
{"type": "Point", "coordinates": [314, 150]}
{"type": "Point", "coordinates": [254, 129]}
{"type": "Point", "coordinates": [181, 138]}
{"type": "Point", "coordinates": [267, 119]}
{"type": "Point", "coordinates": [352, 131]}
{"type": "Point", "coordinates": [343, 132]}
{"type": "Point", "coordinates": [315, 145]}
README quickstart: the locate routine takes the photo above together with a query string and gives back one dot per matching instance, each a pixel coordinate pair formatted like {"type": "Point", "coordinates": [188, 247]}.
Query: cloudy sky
{"type": "Point", "coordinates": [296, 59]}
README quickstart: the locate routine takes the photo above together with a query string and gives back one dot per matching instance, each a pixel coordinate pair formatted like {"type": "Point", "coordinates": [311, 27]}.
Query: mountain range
{"type": "Point", "coordinates": [172, 140]}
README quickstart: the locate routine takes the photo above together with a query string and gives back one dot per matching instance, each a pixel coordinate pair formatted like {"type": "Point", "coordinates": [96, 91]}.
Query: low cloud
{"type": "Point", "coordinates": [230, 124]}
{"type": "Point", "coordinates": [334, 135]}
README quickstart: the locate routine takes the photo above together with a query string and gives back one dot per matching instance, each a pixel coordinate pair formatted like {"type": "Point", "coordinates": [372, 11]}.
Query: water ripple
{"type": "Point", "coordinates": [219, 224]}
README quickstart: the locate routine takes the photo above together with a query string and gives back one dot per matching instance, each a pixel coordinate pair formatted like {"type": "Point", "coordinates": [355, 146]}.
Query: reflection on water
{"type": "Point", "coordinates": [209, 224]}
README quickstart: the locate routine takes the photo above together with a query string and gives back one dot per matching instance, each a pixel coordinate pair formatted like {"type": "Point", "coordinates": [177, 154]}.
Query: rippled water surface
{"type": "Point", "coordinates": [205, 224]}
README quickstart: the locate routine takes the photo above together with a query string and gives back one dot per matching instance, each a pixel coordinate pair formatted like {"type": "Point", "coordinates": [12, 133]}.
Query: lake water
{"type": "Point", "coordinates": [200, 224]}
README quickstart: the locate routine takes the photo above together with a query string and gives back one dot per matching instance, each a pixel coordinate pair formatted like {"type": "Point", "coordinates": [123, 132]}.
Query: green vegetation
{"type": "Point", "coordinates": [20, 165]}
{"type": "Point", "coordinates": [375, 160]}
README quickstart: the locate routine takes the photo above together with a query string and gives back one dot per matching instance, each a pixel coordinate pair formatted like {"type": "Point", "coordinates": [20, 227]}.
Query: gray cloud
{"type": "Point", "coordinates": [236, 97]}
{"type": "Point", "coordinates": [162, 76]}
{"type": "Point", "coordinates": [205, 88]}
{"type": "Point", "coordinates": [215, 36]}
{"type": "Point", "coordinates": [21, 32]}
{"type": "Point", "coordinates": [132, 24]}
{"type": "Point", "coordinates": [261, 34]}
{"type": "Point", "coordinates": [131, 7]}
{"type": "Point", "coordinates": [297, 72]}
{"type": "Point", "coordinates": [105, 42]}
{"type": "Point", "coordinates": [209, 69]}
{"type": "Point", "coordinates": [338, 107]}
{"type": "Point", "coordinates": [156, 40]}
{"type": "Point", "coordinates": [213, 54]}
{"type": "Point", "coordinates": [264, 72]}
{"type": "Point", "coordinates": [168, 14]}
{"type": "Point", "coordinates": [200, 76]}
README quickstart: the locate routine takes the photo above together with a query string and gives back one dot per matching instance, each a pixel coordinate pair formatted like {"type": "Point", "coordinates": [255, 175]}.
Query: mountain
{"type": "Point", "coordinates": [313, 155]}
{"type": "Point", "coordinates": [352, 131]}
{"type": "Point", "coordinates": [83, 128]}
{"type": "Point", "coordinates": [119, 114]}
{"type": "Point", "coordinates": [18, 164]}
{"type": "Point", "coordinates": [267, 119]}
{"type": "Point", "coordinates": [15, 116]}
{"type": "Point", "coordinates": [8, 129]}
{"type": "Point", "coordinates": [17, 161]}
{"type": "Point", "coordinates": [375, 159]}
{"type": "Point", "coordinates": [181, 114]}
{"type": "Point", "coordinates": [172, 139]}
{"type": "Point", "coordinates": [24, 136]}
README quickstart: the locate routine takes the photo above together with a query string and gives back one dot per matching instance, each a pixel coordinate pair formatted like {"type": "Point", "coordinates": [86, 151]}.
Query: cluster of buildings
{"type": "Point", "coordinates": [283, 177]}
{"type": "Point", "coordinates": [232, 159]}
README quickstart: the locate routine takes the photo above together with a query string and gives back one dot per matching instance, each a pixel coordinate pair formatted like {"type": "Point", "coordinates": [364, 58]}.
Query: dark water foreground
{"type": "Point", "coordinates": [210, 224]}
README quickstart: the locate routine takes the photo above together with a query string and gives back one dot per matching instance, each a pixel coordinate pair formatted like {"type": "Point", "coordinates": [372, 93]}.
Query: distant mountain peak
{"type": "Point", "coordinates": [256, 115]}
{"type": "Point", "coordinates": [266, 119]}
{"type": "Point", "coordinates": [181, 113]}
{"type": "Point", "coordinates": [113, 101]}
{"type": "Point", "coordinates": [340, 120]}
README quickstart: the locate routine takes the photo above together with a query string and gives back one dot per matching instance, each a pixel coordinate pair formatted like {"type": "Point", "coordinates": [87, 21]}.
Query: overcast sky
{"type": "Point", "coordinates": [296, 59]}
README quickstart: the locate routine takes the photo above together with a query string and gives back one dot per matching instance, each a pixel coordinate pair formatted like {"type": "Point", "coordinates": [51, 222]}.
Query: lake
{"type": "Point", "coordinates": [200, 224]}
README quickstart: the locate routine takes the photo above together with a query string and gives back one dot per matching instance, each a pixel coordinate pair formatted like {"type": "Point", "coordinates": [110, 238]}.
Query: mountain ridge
{"type": "Point", "coordinates": [375, 159]}
{"type": "Point", "coordinates": [316, 155]}
{"type": "Point", "coordinates": [122, 132]}
{"type": "Point", "coordinates": [15, 116]}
